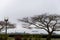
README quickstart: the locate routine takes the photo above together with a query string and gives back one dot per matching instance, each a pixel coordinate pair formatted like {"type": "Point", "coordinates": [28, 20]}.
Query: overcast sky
{"type": "Point", "coordinates": [16, 9]}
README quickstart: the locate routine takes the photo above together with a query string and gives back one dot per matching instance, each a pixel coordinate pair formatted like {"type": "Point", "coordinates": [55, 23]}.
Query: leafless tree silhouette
{"type": "Point", "coordinates": [3, 24]}
{"type": "Point", "coordinates": [49, 23]}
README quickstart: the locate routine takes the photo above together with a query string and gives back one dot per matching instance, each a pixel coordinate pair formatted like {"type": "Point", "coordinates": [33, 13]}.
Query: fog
{"type": "Point", "coordinates": [16, 9]}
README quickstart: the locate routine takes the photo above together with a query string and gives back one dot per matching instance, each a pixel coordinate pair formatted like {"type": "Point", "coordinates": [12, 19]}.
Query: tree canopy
{"type": "Point", "coordinates": [49, 23]}
{"type": "Point", "coordinates": [3, 24]}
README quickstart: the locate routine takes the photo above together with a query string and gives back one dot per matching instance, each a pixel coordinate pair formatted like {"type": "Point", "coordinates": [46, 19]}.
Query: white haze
{"type": "Point", "coordinates": [16, 9]}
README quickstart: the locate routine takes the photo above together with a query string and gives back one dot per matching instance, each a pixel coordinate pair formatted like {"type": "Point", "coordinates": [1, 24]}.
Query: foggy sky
{"type": "Point", "coordinates": [16, 9]}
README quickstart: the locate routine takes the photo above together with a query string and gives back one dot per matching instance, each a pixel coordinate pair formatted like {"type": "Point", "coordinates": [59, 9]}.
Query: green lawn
{"type": "Point", "coordinates": [11, 38]}
{"type": "Point", "coordinates": [51, 39]}
{"type": "Point", "coordinates": [41, 38]}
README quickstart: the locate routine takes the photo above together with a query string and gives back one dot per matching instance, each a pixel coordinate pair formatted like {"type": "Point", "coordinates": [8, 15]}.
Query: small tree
{"type": "Point", "coordinates": [3, 24]}
{"type": "Point", "coordinates": [49, 23]}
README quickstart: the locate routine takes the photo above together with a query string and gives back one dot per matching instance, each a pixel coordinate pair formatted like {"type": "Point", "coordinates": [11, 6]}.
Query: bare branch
{"type": "Point", "coordinates": [1, 28]}
{"type": "Point", "coordinates": [41, 28]}
{"type": "Point", "coordinates": [56, 30]}
{"type": "Point", "coordinates": [9, 25]}
{"type": "Point", "coordinates": [45, 21]}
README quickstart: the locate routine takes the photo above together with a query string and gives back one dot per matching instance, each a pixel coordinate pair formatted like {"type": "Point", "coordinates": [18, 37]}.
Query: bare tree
{"type": "Point", "coordinates": [3, 24]}
{"type": "Point", "coordinates": [49, 23]}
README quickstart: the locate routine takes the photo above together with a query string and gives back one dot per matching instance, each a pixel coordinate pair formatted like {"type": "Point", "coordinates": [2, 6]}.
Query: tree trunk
{"type": "Point", "coordinates": [49, 37]}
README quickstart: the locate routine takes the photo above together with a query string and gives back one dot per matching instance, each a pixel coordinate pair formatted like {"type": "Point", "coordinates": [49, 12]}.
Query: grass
{"type": "Point", "coordinates": [10, 38]}
{"type": "Point", "coordinates": [51, 39]}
